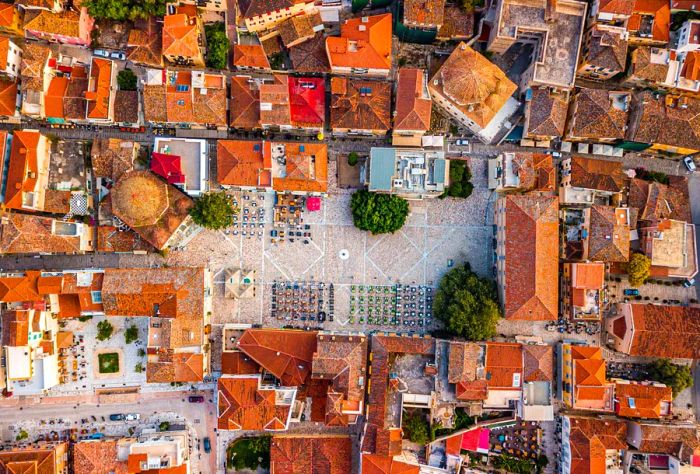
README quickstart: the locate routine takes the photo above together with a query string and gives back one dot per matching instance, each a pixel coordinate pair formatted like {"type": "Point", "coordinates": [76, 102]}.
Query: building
{"type": "Point", "coordinates": [90, 456]}
{"type": "Point", "coordinates": [588, 181]}
{"type": "Point", "coordinates": [67, 27]}
{"type": "Point", "coordinates": [413, 108]}
{"type": "Point", "coordinates": [9, 107]}
{"type": "Point", "coordinates": [27, 171]}
{"type": "Point", "coordinates": [522, 172]}
{"type": "Point", "coordinates": [44, 458]}
{"type": "Point", "coordinates": [582, 290]}
{"type": "Point", "coordinates": [182, 162]}
{"type": "Point", "coordinates": [289, 103]}
{"type": "Point", "coordinates": [504, 374]}
{"type": "Point", "coordinates": [538, 383]}
{"type": "Point", "coordinates": [409, 173]}
{"type": "Point", "coordinates": [651, 330]}
{"type": "Point", "coordinates": [604, 53]}
{"type": "Point", "coordinates": [65, 99]}
{"type": "Point", "coordinates": [608, 234]}
{"type": "Point", "coordinates": [650, 67]}
{"type": "Point", "coordinates": [363, 47]}
{"type": "Point", "coordinates": [310, 56]}
{"type": "Point", "coordinates": [598, 115]}
{"type": "Point", "coordinates": [111, 158]}
{"type": "Point", "coordinates": [160, 451]}
{"type": "Point", "coordinates": [543, 22]}
{"type": "Point", "coordinates": [545, 114]}
{"type": "Point", "coordinates": [152, 208]}
{"type": "Point", "coordinates": [310, 454]}
{"type": "Point", "coordinates": [474, 92]}
{"type": "Point", "coordinates": [10, 20]}
{"type": "Point", "coordinates": [424, 14]}
{"type": "Point", "coordinates": [182, 37]}
{"type": "Point", "coordinates": [101, 91]}
{"type": "Point", "coordinates": [300, 28]}
{"type": "Point", "coordinates": [23, 233]}
{"type": "Point", "coordinates": [466, 361]}
{"type": "Point", "coordinates": [250, 57]}
{"type": "Point", "coordinates": [360, 107]}
{"type": "Point", "coordinates": [35, 77]}
{"type": "Point", "coordinates": [527, 261]}
{"type": "Point", "coordinates": [646, 21]}
{"type": "Point", "coordinates": [592, 445]}
{"type": "Point", "coordinates": [10, 57]}
{"type": "Point", "coordinates": [244, 105]}
{"type": "Point", "coordinates": [185, 98]}
{"type": "Point", "coordinates": [145, 43]}
{"type": "Point", "coordinates": [584, 385]}
{"type": "Point", "coordinates": [256, 16]}
{"type": "Point", "coordinates": [670, 244]}
{"type": "Point", "coordinates": [670, 447]}
{"type": "Point", "coordinates": [642, 400]}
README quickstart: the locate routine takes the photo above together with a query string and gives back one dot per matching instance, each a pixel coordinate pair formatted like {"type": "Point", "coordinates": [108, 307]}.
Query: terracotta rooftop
{"type": "Point", "coordinates": [310, 56]}
{"type": "Point", "coordinates": [589, 276]}
{"type": "Point", "coordinates": [274, 102]}
{"type": "Point", "coordinates": [590, 438]}
{"type": "Point", "coordinates": [299, 26]}
{"type": "Point", "coordinates": [473, 84]}
{"type": "Point", "coordinates": [238, 363]}
{"type": "Point", "coordinates": [244, 106]}
{"type": "Point", "coordinates": [378, 464]}
{"type": "Point", "coordinates": [363, 43]}
{"type": "Point", "coordinates": [7, 14]}
{"type": "Point", "coordinates": [23, 233]}
{"type": "Point", "coordinates": [250, 56]}
{"type": "Point", "coordinates": [634, 400]}
{"type": "Point", "coordinates": [660, 13]}
{"type": "Point", "coordinates": [681, 441]}
{"type": "Point", "coordinates": [8, 97]}
{"type": "Point", "coordinates": [181, 36]}
{"type": "Point", "coordinates": [150, 206]}
{"type": "Point", "coordinates": [599, 114]}
{"type": "Point", "coordinates": [306, 167]}
{"type": "Point", "coordinates": [285, 354]}
{"type": "Point", "coordinates": [90, 457]}
{"type": "Point", "coordinates": [252, 8]}
{"type": "Point", "coordinates": [504, 365]}
{"type": "Point", "coordinates": [66, 23]}
{"type": "Point", "coordinates": [111, 239]}
{"type": "Point", "coordinates": [34, 59]}
{"type": "Point", "coordinates": [546, 113]}
{"type": "Point", "coordinates": [608, 49]}
{"type": "Point", "coordinates": [532, 223]}
{"type": "Point", "coordinates": [145, 44]}
{"type": "Point", "coordinates": [28, 287]}
{"type": "Point", "coordinates": [240, 163]}
{"type": "Point", "coordinates": [244, 405]}
{"type": "Point", "coordinates": [608, 236]}
{"type": "Point", "coordinates": [42, 460]}
{"type": "Point", "coordinates": [23, 167]}
{"type": "Point", "coordinates": [75, 298]}
{"type": "Point", "coordinates": [536, 171]}
{"type": "Point", "coordinates": [310, 455]}
{"type": "Point", "coordinates": [665, 331]}
{"type": "Point", "coordinates": [617, 7]}
{"type": "Point", "coordinates": [458, 24]}
{"type": "Point", "coordinates": [538, 362]}
{"type": "Point", "coordinates": [15, 328]}
{"type": "Point", "coordinates": [642, 67]}
{"type": "Point", "coordinates": [169, 366]}
{"type": "Point", "coordinates": [424, 12]}
{"type": "Point", "coordinates": [676, 125]}
{"type": "Point", "coordinates": [464, 359]}
{"type": "Point", "coordinates": [99, 95]}
{"type": "Point", "coordinates": [603, 175]}
{"type": "Point", "coordinates": [112, 157]}
{"type": "Point", "coordinates": [126, 106]}
{"type": "Point", "coordinates": [657, 201]}
{"type": "Point", "coordinates": [360, 105]}
{"type": "Point", "coordinates": [413, 104]}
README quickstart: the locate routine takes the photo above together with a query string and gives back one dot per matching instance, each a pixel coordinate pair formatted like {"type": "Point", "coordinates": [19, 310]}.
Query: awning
{"type": "Point", "coordinates": [313, 204]}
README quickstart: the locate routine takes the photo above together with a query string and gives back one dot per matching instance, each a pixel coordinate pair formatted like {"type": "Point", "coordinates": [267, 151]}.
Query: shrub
{"type": "Point", "coordinates": [121, 10]}
{"type": "Point", "coordinates": [22, 435]}
{"type": "Point", "coordinates": [378, 213]}
{"type": "Point", "coordinates": [131, 334]}
{"type": "Point", "coordinates": [164, 425]}
{"type": "Point", "coordinates": [126, 79]}
{"type": "Point", "coordinates": [353, 158]}
{"type": "Point", "coordinates": [460, 180]}
{"type": "Point", "coordinates": [138, 368]}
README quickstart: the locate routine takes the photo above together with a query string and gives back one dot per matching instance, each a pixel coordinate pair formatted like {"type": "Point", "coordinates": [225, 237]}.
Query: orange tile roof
{"type": "Point", "coordinates": [307, 167]}
{"type": "Point", "coordinates": [100, 92]}
{"type": "Point", "coordinates": [91, 457]}
{"type": "Point", "coordinates": [589, 439]}
{"type": "Point", "coordinates": [237, 363]}
{"type": "Point", "coordinates": [4, 50]}
{"type": "Point", "coordinates": [413, 107]}
{"type": "Point", "coordinates": [287, 354]}
{"type": "Point", "coordinates": [252, 56]}
{"type": "Point", "coordinates": [376, 464]}
{"type": "Point", "coordinates": [46, 459]}
{"type": "Point", "coordinates": [17, 289]}
{"type": "Point", "coordinates": [352, 107]}
{"type": "Point", "coordinates": [504, 363]}
{"type": "Point", "coordinates": [8, 97]}
{"type": "Point", "coordinates": [145, 43]}
{"type": "Point", "coordinates": [274, 102]}
{"type": "Point", "coordinates": [240, 163]}
{"type": "Point", "coordinates": [634, 400]}
{"type": "Point", "coordinates": [181, 36]}
{"type": "Point", "coordinates": [53, 99]}
{"type": "Point", "coordinates": [23, 168]}
{"type": "Point", "coordinates": [7, 14]}
{"type": "Point", "coordinates": [660, 10]}
{"type": "Point", "coordinates": [15, 326]}
{"type": "Point", "coordinates": [310, 455]}
{"type": "Point", "coordinates": [74, 299]}
{"type": "Point", "coordinates": [24, 233]}
{"type": "Point", "coordinates": [665, 331]}
{"type": "Point", "coordinates": [244, 106]}
{"type": "Point", "coordinates": [363, 43]}
{"type": "Point", "coordinates": [590, 276]}
{"type": "Point", "coordinates": [691, 66]}
{"type": "Point", "coordinates": [243, 405]}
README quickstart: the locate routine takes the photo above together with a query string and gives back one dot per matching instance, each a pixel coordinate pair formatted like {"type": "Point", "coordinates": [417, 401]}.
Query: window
{"type": "Point", "coordinates": [96, 296]}
{"type": "Point", "coordinates": [180, 102]}
{"type": "Point", "coordinates": [182, 88]}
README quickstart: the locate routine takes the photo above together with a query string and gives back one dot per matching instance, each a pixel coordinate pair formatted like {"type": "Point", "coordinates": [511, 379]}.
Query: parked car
{"type": "Point", "coordinates": [96, 436]}
{"type": "Point", "coordinates": [689, 283]}
{"type": "Point", "coordinates": [689, 163]}
{"type": "Point", "coordinates": [196, 399]}
{"type": "Point", "coordinates": [117, 55]}
{"type": "Point", "coordinates": [101, 53]}
{"type": "Point", "coordinates": [631, 292]}
{"type": "Point", "coordinates": [133, 417]}
{"type": "Point", "coordinates": [116, 417]}
{"type": "Point", "coordinates": [207, 445]}
{"type": "Point", "coordinates": [462, 142]}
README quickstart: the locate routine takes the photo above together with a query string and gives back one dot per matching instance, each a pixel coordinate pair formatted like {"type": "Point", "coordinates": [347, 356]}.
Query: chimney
{"type": "Point", "coordinates": [549, 9]}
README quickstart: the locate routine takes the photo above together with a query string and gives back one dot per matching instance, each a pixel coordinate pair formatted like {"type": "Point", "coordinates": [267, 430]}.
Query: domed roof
{"type": "Point", "coordinates": [139, 198]}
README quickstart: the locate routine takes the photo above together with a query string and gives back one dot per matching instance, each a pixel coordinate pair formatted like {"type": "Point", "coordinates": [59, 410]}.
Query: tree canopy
{"type": "Point", "coordinates": [638, 269]}
{"type": "Point", "coordinates": [460, 180]}
{"type": "Point", "coordinates": [217, 45]}
{"type": "Point", "coordinates": [678, 377]}
{"type": "Point", "coordinates": [121, 10]}
{"type": "Point", "coordinates": [213, 211]}
{"type": "Point", "coordinates": [416, 428]}
{"type": "Point", "coordinates": [126, 80]}
{"type": "Point", "coordinates": [467, 304]}
{"type": "Point", "coordinates": [104, 330]}
{"type": "Point", "coordinates": [131, 334]}
{"type": "Point", "coordinates": [353, 158]}
{"type": "Point", "coordinates": [378, 213]}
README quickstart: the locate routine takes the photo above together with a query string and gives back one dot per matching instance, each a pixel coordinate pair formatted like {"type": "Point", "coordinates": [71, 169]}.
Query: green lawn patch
{"type": "Point", "coordinates": [108, 362]}
{"type": "Point", "coordinates": [249, 453]}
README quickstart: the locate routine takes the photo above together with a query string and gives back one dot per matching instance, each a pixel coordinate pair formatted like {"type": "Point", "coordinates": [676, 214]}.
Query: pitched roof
{"type": "Point", "coordinates": [244, 106]}
{"type": "Point", "coordinates": [635, 400]}
{"type": "Point", "coordinates": [463, 361]}
{"type": "Point", "coordinates": [657, 201]}
{"type": "Point", "coordinates": [538, 362]}
{"type": "Point", "coordinates": [608, 49]}
{"type": "Point", "coordinates": [243, 404]}
{"type": "Point", "coordinates": [424, 12]}
{"type": "Point", "coordinates": [274, 102]}
{"type": "Point", "coordinates": [100, 93]}
{"type": "Point", "coordinates": [8, 97]}
{"type": "Point", "coordinates": [360, 105]}
{"type": "Point", "coordinates": [240, 163]}
{"type": "Point", "coordinates": [413, 105]}
{"type": "Point", "coordinates": [34, 58]}
{"type": "Point", "coordinates": [15, 326]}
{"type": "Point", "coordinates": [306, 166]}
{"type": "Point", "coordinates": [310, 56]}
{"type": "Point", "coordinates": [363, 43]}
{"type": "Point", "coordinates": [619, 7]}
{"type": "Point", "coordinates": [299, 26]}
{"type": "Point", "coordinates": [310, 455]}
{"type": "Point", "coordinates": [377, 464]}
{"type": "Point", "coordinates": [608, 236]}
{"type": "Point", "coordinates": [642, 66]}
{"type": "Point", "coordinates": [504, 365]}
{"type": "Point", "coordinates": [150, 206]}
{"type": "Point", "coordinates": [677, 125]}
{"type": "Point", "coordinates": [473, 84]}
{"type": "Point", "coordinates": [90, 457]}
{"type": "Point", "coordinates": [29, 287]}
{"type": "Point", "coordinates": [546, 113]}
{"type": "Point", "coordinates": [284, 353]}
{"type": "Point", "coordinates": [532, 223]}
{"type": "Point", "coordinates": [252, 8]}
{"type": "Point", "coordinates": [65, 24]}
{"type": "Point", "coordinates": [7, 14]}
{"type": "Point", "coordinates": [589, 276]}
{"type": "Point", "coordinates": [589, 439]}
{"type": "Point", "coordinates": [307, 101]}
{"type": "Point", "coordinates": [250, 55]}
{"type": "Point", "coordinates": [126, 106]}
{"type": "Point", "coordinates": [598, 114]}
{"type": "Point", "coordinates": [237, 363]}
{"type": "Point", "coordinates": [24, 233]}
{"type": "Point", "coordinates": [659, 10]}
{"type": "Point", "coordinates": [145, 43]}
{"type": "Point", "coordinates": [112, 157]}
{"type": "Point", "coordinates": [536, 171]}
{"type": "Point", "coordinates": [665, 331]}
{"type": "Point", "coordinates": [181, 36]}
{"type": "Point", "coordinates": [681, 441]}
{"type": "Point", "coordinates": [603, 175]}
{"type": "Point", "coordinates": [23, 167]}
{"type": "Point", "coordinates": [41, 460]}
{"type": "Point", "coordinates": [458, 24]}
{"type": "Point", "coordinates": [167, 366]}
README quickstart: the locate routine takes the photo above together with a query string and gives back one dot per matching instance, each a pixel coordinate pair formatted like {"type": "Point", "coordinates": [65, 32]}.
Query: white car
{"type": "Point", "coordinates": [689, 163]}
{"type": "Point", "coordinates": [132, 417]}
{"type": "Point", "coordinates": [118, 55]}
{"type": "Point", "coordinates": [101, 52]}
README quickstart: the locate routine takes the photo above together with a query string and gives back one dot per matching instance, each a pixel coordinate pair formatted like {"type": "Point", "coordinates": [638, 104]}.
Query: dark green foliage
{"type": "Point", "coordinates": [647, 175]}
{"type": "Point", "coordinates": [353, 158]}
{"type": "Point", "coordinates": [467, 304]}
{"type": "Point", "coordinates": [104, 330]}
{"type": "Point", "coordinates": [131, 334]}
{"type": "Point", "coordinates": [678, 377]}
{"type": "Point", "coordinates": [108, 363]}
{"type": "Point", "coordinates": [378, 213]}
{"type": "Point", "coordinates": [217, 45]}
{"type": "Point", "coordinates": [249, 453]}
{"type": "Point", "coordinates": [513, 464]}
{"type": "Point", "coordinates": [276, 61]}
{"type": "Point", "coordinates": [460, 180]}
{"type": "Point", "coordinates": [416, 428]}
{"type": "Point", "coordinates": [164, 425]}
{"type": "Point", "coordinates": [126, 80]}
{"type": "Point", "coordinates": [638, 269]}
{"type": "Point", "coordinates": [462, 421]}
{"type": "Point", "coordinates": [213, 211]}
{"type": "Point", "coordinates": [121, 10]}
{"type": "Point", "coordinates": [470, 5]}
{"type": "Point", "coordinates": [84, 319]}
{"type": "Point", "coordinates": [677, 19]}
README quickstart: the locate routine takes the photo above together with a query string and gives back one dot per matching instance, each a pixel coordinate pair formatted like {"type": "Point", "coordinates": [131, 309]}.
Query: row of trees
{"type": "Point", "coordinates": [122, 10]}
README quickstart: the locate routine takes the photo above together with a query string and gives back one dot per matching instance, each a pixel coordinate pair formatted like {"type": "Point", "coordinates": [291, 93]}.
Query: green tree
{"type": "Point", "coordinates": [141, 353]}
{"type": "Point", "coordinates": [217, 45]}
{"type": "Point", "coordinates": [416, 428]}
{"type": "Point", "coordinates": [22, 435]}
{"type": "Point", "coordinates": [104, 330]}
{"type": "Point", "coordinates": [470, 5]}
{"type": "Point", "coordinates": [131, 334]}
{"type": "Point", "coordinates": [164, 425]}
{"type": "Point", "coordinates": [213, 211]}
{"type": "Point", "coordinates": [121, 10]}
{"type": "Point", "coordinates": [467, 304]}
{"type": "Point", "coordinates": [678, 377]}
{"type": "Point", "coordinates": [353, 158]}
{"type": "Point", "coordinates": [138, 368]}
{"type": "Point", "coordinates": [378, 213]}
{"type": "Point", "coordinates": [126, 80]}
{"type": "Point", "coordinates": [638, 269]}
{"type": "Point", "coordinates": [460, 180]}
